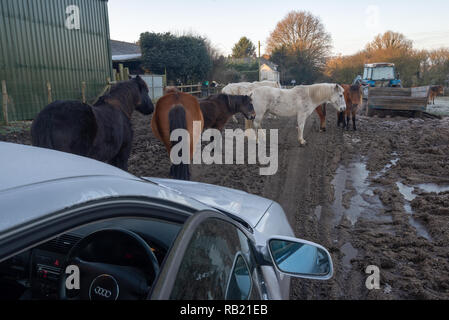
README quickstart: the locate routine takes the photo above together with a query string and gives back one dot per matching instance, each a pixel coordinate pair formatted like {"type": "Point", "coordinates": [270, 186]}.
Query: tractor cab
{"type": "Point", "coordinates": [381, 75]}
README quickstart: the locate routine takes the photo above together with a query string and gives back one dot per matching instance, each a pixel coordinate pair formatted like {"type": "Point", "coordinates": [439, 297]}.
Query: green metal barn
{"type": "Point", "coordinates": [50, 50]}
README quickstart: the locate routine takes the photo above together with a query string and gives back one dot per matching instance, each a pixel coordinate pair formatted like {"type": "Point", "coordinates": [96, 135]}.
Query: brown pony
{"type": "Point", "coordinates": [353, 97]}
{"type": "Point", "coordinates": [435, 91]}
{"type": "Point", "coordinates": [218, 109]}
{"type": "Point", "coordinates": [177, 110]}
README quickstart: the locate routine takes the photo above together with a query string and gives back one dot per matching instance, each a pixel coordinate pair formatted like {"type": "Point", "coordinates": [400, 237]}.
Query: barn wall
{"type": "Point", "coordinates": [36, 47]}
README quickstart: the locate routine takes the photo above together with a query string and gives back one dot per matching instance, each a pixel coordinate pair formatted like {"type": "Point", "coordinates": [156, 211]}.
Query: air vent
{"type": "Point", "coordinates": [61, 244]}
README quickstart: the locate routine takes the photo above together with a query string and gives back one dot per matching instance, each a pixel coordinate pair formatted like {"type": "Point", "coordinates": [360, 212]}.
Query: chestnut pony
{"type": "Point", "coordinates": [435, 91]}
{"type": "Point", "coordinates": [353, 99]}
{"type": "Point", "coordinates": [177, 110]}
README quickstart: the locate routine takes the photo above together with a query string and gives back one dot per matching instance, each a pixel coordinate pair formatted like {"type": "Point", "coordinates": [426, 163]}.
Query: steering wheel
{"type": "Point", "coordinates": [103, 281]}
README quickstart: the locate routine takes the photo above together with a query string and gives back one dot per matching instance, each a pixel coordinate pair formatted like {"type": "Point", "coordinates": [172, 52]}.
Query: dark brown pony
{"type": "Point", "coordinates": [353, 98]}
{"type": "Point", "coordinates": [102, 131]}
{"type": "Point", "coordinates": [218, 109]}
{"type": "Point", "coordinates": [177, 110]}
{"type": "Point", "coordinates": [435, 91]}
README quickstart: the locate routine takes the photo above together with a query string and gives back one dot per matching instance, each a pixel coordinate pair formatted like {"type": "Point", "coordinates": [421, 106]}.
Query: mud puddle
{"type": "Point", "coordinates": [389, 165]}
{"type": "Point", "coordinates": [354, 196]}
{"type": "Point", "coordinates": [408, 192]}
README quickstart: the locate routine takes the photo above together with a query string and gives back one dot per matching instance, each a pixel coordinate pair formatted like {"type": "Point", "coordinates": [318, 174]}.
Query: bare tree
{"type": "Point", "coordinates": [390, 41]}
{"type": "Point", "coordinates": [301, 31]}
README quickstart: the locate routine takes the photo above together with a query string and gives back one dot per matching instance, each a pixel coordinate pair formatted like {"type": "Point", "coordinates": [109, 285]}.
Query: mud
{"type": "Point", "coordinates": [377, 196]}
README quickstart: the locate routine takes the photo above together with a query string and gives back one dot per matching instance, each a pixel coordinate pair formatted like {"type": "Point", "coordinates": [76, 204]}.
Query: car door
{"type": "Point", "coordinates": [212, 259]}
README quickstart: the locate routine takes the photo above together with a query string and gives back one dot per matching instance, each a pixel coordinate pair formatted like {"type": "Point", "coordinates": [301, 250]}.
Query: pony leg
{"type": "Point", "coordinates": [323, 122]}
{"type": "Point", "coordinates": [354, 121]}
{"type": "Point", "coordinates": [301, 125]}
{"type": "Point", "coordinates": [121, 159]}
{"type": "Point", "coordinates": [340, 119]}
{"type": "Point", "coordinates": [320, 110]}
{"type": "Point", "coordinates": [256, 126]}
{"type": "Point", "coordinates": [348, 119]}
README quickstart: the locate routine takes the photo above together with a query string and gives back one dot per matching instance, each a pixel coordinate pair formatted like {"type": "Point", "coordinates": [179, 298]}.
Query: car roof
{"type": "Point", "coordinates": [36, 182]}
{"type": "Point", "coordinates": [22, 165]}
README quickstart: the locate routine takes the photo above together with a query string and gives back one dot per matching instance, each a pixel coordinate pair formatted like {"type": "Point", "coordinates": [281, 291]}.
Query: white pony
{"type": "Point", "coordinates": [245, 89]}
{"type": "Point", "coordinates": [300, 101]}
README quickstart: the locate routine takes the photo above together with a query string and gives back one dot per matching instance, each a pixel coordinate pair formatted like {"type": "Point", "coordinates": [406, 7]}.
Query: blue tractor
{"type": "Point", "coordinates": [383, 92]}
{"type": "Point", "coordinates": [382, 75]}
{"type": "Point", "coordinates": [378, 75]}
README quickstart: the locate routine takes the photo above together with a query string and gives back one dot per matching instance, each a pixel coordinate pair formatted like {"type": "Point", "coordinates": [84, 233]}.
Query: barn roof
{"type": "Point", "coordinates": [124, 51]}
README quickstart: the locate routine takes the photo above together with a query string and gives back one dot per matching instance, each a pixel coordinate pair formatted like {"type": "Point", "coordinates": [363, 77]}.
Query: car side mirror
{"type": "Point", "coordinates": [300, 258]}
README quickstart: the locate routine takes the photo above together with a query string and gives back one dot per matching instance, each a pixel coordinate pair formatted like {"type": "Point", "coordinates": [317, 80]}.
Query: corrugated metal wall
{"type": "Point", "coordinates": [36, 47]}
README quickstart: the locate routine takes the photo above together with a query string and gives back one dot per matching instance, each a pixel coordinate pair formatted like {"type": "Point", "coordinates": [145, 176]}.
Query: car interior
{"type": "Point", "coordinates": [113, 246]}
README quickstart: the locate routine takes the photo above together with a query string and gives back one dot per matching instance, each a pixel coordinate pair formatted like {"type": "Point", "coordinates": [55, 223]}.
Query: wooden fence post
{"type": "Point", "coordinates": [5, 102]}
{"type": "Point", "coordinates": [152, 88]}
{"type": "Point", "coordinates": [49, 97]}
{"type": "Point", "coordinates": [125, 74]}
{"type": "Point", "coordinates": [83, 91]}
{"type": "Point", "coordinates": [121, 72]}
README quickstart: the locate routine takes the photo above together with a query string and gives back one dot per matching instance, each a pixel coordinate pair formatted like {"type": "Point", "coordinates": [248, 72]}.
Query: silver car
{"type": "Point", "coordinates": [75, 228]}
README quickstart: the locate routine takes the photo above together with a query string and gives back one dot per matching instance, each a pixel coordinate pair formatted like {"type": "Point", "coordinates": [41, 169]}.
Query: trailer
{"type": "Point", "coordinates": [387, 100]}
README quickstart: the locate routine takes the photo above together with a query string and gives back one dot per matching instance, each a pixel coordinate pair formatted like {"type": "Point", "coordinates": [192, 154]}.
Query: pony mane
{"type": "Point", "coordinates": [121, 95]}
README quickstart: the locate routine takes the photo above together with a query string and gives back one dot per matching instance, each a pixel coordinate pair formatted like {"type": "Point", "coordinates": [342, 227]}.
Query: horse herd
{"type": "Point", "coordinates": [103, 131]}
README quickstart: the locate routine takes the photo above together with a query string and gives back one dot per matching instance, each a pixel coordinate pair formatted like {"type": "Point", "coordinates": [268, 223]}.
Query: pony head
{"type": "Point", "coordinates": [246, 107]}
{"type": "Point", "coordinates": [338, 98]}
{"type": "Point", "coordinates": [145, 105]}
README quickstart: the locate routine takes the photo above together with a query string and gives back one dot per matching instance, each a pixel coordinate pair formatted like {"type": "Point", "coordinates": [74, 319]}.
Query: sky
{"type": "Point", "coordinates": [351, 23]}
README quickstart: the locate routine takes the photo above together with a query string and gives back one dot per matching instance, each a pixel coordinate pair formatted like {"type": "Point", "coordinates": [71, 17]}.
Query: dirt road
{"type": "Point", "coordinates": [378, 196]}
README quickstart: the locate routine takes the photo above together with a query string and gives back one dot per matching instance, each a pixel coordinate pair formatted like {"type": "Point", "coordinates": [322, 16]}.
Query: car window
{"type": "Point", "coordinates": [211, 263]}
{"type": "Point", "coordinates": [239, 287]}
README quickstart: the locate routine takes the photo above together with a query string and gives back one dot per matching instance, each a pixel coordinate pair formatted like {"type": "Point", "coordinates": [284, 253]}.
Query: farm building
{"type": "Point", "coordinates": [50, 50]}
{"type": "Point", "coordinates": [268, 71]}
{"type": "Point", "coordinates": [128, 54]}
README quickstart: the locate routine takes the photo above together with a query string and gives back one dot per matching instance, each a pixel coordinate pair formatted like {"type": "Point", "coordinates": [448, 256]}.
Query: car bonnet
{"type": "Point", "coordinates": [246, 206]}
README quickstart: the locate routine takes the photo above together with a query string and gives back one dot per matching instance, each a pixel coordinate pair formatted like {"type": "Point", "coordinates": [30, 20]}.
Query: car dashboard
{"type": "Point", "coordinates": [36, 273]}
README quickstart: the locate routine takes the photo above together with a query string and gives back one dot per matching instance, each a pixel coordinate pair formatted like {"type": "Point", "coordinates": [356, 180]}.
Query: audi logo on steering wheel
{"type": "Point", "coordinates": [104, 287]}
{"type": "Point", "coordinates": [103, 292]}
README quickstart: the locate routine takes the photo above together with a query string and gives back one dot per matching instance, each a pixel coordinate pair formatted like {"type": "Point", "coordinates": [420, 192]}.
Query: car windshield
{"type": "Point", "coordinates": [383, 73]}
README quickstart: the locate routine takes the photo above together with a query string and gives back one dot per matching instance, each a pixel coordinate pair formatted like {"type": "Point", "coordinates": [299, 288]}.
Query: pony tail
{"type": "Point", "coordinates": [177, 120]}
